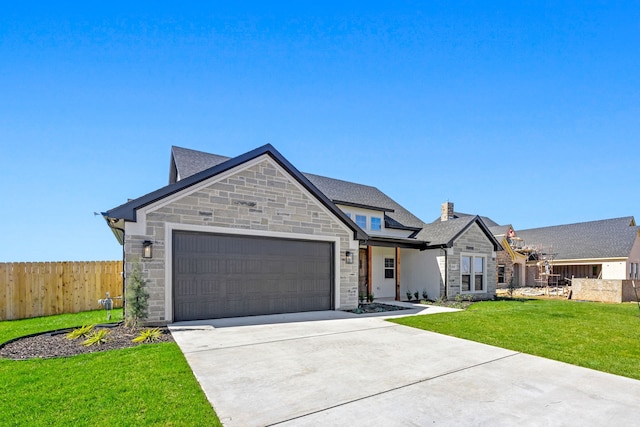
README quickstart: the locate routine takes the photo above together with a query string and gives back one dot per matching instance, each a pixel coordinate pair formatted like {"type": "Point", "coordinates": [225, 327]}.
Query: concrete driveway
{"type": "Point", "coordinates": [339, 369]}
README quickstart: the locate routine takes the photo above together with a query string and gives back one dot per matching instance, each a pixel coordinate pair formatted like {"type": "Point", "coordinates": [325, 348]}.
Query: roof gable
{"type": "Point", "coordinates": [128, 210]}
{"type": "Point", "coordinates": [444, 233]}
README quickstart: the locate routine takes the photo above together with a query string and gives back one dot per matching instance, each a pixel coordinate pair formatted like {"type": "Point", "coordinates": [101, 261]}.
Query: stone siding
{"type": "Point", "coordinates": [473, 242]}
{"type": "Point", "coordinates": [259, 197]}
{"type": "Point", "coordinates": [601, 290]}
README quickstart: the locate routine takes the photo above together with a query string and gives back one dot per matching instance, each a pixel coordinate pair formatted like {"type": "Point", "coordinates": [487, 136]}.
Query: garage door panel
{"type": "Point", "coordinates": [244, 275]}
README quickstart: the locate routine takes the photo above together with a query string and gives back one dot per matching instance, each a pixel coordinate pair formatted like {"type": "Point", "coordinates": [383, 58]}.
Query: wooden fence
{"type": "Point", "coordinates": [32, 289]}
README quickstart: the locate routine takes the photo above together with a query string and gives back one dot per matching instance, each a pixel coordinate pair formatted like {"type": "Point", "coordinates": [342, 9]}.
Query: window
{"type": "Point", "coordinates": [389, 268]}
{"type": "Point", "coordinates": [348, 215]}
{"type": "Point", "coordinates": [465, 270]}
{"type": "Point", "coordinates": [376, 224]}
{"type": "Point", "coordinates": [472, 272]}
{"type": "Point", "coordinates": [361, 221]}
{"type": "Point", "coordinates": [501, 274]}
{"type": "Point", "coordinates": [478, 272]}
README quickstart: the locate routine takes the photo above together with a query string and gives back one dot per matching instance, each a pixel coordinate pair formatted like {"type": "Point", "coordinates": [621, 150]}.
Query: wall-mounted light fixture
{"type": "Point", "coordinates": [147, 249]}
{"type": "Point", "coordinates": [349, 257]}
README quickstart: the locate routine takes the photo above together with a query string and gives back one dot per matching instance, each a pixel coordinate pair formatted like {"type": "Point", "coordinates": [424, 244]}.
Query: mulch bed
{"type": "Point", "coordinates": [49, 345]}
{"type": "Point", "coordinates": [376, 307]}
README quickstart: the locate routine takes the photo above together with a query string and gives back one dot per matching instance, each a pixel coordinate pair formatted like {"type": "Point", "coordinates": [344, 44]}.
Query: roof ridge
{"type": "Point", "coordinates": [629, 217]}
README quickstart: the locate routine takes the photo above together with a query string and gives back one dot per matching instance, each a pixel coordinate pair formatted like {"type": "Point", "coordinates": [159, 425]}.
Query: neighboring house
{"type": "Point", "coordinates": [252, 235]}
{"type": "Point", "coordinates": [511, 263]}
{"type": "Point", "coordinates": [605, 249]}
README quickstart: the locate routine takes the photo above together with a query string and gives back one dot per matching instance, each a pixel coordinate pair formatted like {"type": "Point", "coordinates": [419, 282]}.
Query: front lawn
{"type": "Point", "coordinates": [599, 336]}
{"type": "Point", "coordinates": [150, 384]}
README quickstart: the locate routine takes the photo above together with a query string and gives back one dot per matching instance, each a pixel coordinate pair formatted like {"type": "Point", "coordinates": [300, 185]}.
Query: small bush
{"type": "Point", "coordinates": [97, 337]}
{"type": "Point", "coordinates": [148, 335]}
{"type": "Point", "coordinates": [416, 295]}
{"type": "Point", "coordinates": [81, 332]}
{"type": "Point", "coordinates": [424, 294]}
{"type": "Point", "coordinates": [136, 298]}
{"type": "Point", "coordinates": [408, 295]}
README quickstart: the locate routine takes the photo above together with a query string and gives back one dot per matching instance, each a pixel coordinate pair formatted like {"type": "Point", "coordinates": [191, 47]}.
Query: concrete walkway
{"type": "Point", "coordinates": [339, 369]}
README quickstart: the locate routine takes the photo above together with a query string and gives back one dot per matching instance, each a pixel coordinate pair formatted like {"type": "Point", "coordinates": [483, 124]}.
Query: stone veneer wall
{"type": "Point", "coordinates": [602, 290]}
{"type": "Point", "coordinates": [259, 197]}
{"type": "Point", "coordinates": [473, 237]}
{"type": "Point", "coordinates": [504, 258]}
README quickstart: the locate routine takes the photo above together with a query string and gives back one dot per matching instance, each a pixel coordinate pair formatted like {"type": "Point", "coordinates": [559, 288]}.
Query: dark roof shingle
{"type": "Point", "coordinates": [607, 238]}
{"type": "Point", "coordinates": [189, 162]}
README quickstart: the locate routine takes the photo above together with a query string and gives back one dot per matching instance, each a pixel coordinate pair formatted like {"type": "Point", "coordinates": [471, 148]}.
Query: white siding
{"type": "Point", "coordinates": [419, 270]}
{"type": "Point", "coordinates": [614, 270]}
{"type": "Point", "coordinates": [381, 287]}
{"type": "Point", "coordinates": [389, 232]}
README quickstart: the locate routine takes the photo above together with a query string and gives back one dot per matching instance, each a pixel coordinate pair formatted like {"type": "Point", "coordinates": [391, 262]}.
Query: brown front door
{"type": "Point", "coordinates": [362, 273]}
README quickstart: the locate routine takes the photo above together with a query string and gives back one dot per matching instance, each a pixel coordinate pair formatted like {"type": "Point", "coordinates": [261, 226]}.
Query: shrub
{"type": "Point", "coordinates": [148, 335]}
{"type": "Point", "coordinates": [409, 295]}
{"type": "Point", "coordinates": [97, 337]}
{"type": "Point", "coordinates": [424, 294]}
{"type": "Point", "coordinates": [136, 298]}
{"type": "Point", "coordinates": [416, 295]}
{"type": "Point", "coordinates": [81, 332]}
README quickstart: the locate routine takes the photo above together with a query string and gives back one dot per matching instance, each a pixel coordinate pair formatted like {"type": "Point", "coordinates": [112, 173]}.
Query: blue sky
{"type": "Point", "coordinates": [527, 114]}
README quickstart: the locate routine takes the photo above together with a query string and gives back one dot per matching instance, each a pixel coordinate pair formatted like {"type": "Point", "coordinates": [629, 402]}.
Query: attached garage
{"type": "Point", "coordinates": [223, 275]}
{"type": "Point", "coordinates": [246, 236]}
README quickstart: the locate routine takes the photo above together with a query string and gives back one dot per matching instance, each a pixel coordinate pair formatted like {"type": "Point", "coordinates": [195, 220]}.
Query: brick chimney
{"type": "Point", "coordinates": [446, 211]}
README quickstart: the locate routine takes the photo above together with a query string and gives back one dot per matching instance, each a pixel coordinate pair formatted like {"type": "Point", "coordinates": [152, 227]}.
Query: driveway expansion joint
{"type": "Point", "coordinates": [423, 380]}
{"type": "Point", "coordinates": [305, 337]}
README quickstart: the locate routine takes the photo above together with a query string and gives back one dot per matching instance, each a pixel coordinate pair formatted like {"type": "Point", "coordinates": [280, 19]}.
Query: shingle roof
{"type": "Point", "coordinates": [608, 238]}
{"type": "Point", "coordinates": [499, 230]}
{"type": "Point", "coordinates": [189, 162]}
{"type": "Point", "coordinates": [487, 221]}
{"type": "Point", "coordinates": [444, 233]}
{"type": "Point", "coordinates": [343, 191]}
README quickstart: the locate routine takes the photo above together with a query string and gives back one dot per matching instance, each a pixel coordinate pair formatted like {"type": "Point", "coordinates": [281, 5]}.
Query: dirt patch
{"type": "Point", "coordinates": [55, 344]}
{"type": "Point", "coordinates": [555, 292]}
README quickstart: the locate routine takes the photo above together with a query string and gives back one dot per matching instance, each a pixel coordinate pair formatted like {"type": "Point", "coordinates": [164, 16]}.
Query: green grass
{"type": "Point", "coordinates": [599, 336]}
{"type": "Point", "coordinates": [18, 328]}
{"type": "Point", "coordinates": [150, 384]}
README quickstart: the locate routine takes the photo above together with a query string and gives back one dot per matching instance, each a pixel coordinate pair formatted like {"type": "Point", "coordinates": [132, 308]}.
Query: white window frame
{"type": "Point", "coordinates": [472, 273]}
{"type": "Point", "coordinates": [391, 267]}
{"type": "Point", "coordinates": [358, 216]}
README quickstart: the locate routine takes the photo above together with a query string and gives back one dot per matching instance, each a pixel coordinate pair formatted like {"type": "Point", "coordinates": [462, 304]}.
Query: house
{"type": "Point", "coordinates": [511, 262]}
{"type": "Point", "coordinates": [252, 235]}
{"type": "Point", "coordinates": [607, 249]}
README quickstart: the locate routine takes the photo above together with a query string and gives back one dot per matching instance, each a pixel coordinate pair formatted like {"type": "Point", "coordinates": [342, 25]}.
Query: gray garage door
{"type": "Point", "coordinates": [216, 275]}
